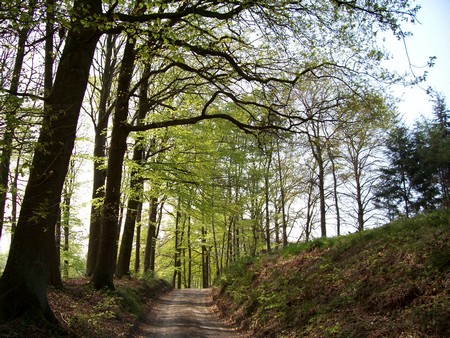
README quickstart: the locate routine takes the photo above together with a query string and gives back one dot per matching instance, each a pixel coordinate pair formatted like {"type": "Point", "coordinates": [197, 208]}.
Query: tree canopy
{"type": "Point", "coordinates": [249, 63]}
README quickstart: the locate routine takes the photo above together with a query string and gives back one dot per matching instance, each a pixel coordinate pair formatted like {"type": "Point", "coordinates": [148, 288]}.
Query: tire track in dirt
{"type": "Point", "coordinates": [185, 313]}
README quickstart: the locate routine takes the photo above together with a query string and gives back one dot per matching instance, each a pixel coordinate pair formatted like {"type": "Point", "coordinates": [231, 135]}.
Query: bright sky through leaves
{"type": "Point", "coordinates": [430, 38]}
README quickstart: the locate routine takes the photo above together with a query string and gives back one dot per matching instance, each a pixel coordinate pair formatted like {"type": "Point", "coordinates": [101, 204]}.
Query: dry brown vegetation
{"type": "Point", "coordinates": [83, 311]}
{"type": "Point", "coordinates": [389, 282]}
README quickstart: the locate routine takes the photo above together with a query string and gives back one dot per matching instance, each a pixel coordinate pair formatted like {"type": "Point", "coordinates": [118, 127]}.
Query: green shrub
{"type": "Point", "coordinates": [131, 300]}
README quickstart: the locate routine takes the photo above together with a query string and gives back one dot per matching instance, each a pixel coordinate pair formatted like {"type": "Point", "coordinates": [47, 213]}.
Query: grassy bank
{"type": "Point", "coordinates": [392, 281]}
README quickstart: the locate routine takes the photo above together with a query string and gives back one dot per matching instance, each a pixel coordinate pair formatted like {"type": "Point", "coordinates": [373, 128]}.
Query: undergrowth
{"type": "Point", "coordinates": [85, 312]}
{"type": "Point", "coordinates": [391, 281]}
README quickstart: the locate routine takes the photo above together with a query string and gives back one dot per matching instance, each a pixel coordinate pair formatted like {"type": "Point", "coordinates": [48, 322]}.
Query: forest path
{"type": "Point", "coordinates": [185, 313]}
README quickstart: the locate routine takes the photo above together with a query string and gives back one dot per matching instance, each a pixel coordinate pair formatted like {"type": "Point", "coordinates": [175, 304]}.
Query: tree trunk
{"type": "Point", "coordinates": [14, 197]}
{"type": "Point", "coordinates": [54, 272]}
{"type": "Point", "coordinates": [176, 259]}
{"type": "Point", "coordinates": [6, 144]}
{"type": "Point", "coordinates": [99, 175]}
{"type": "Point", "coordinates": [323, 224]}
{"type": "Point", "coordinates": [106, 260]}
{"type": "Point", "coordinates": [359, 198]}
{"type": "Point", "coordinates": [335, 194]}
{"type": "Point", "coordinates": [266, 197]}
{"type": "Point", "coordinates": [137, 259]}
{"type": "Point", "coordinates": [205, 260]}
{"type": "Point", "coordinates": [55, 259]}
{"type": "Point", "coordinates": [136, 191]}
{"type": "Point", "coordinates": [284, 236]}
{"type": "Point", "coordinates": [149, 254]}
{"type": "Point", "coordinates": [318, 155]}
{"type": "Point", "coordinates": [189, 269]}
{"type": "Point", "coordinates": [65, 222]}
{"type": "Point", "coordinates": [216, 249]}
{"type": "Point", "coordinates": [136, 187]}
{"type": "Point", "coordinates": [23, 285]}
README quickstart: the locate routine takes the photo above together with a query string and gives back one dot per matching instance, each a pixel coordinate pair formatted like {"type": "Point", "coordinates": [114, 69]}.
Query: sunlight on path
{"type": "Point", "coordinates": [185, 313]}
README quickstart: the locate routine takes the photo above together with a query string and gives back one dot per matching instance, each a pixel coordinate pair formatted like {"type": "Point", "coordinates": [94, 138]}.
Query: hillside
{"type": "Point", "coordinates": [393, 281]}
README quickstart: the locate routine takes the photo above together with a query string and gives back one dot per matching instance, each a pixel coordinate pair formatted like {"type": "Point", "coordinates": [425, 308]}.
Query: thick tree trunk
{"type": "Point", "coordinates": [136, 188]}
{"type": "Point", "coordinates": [106, 260]}
{"type": "Point", "coordinates": [99, 175]}
{"type": "Point", "coordinates": [23, 286]}
{"type": "Point", "coordinates": [55, 259]}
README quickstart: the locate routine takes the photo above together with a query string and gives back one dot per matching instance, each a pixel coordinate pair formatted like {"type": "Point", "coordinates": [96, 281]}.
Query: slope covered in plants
{"type": "Point", "coordinates": [393, 281]}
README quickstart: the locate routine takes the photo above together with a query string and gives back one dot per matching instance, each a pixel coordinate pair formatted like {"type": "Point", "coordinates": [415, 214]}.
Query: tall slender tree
{"type": "Point", "coordinates": [100, 145]}
{"type": "Point", "coordinates": [11, 105]}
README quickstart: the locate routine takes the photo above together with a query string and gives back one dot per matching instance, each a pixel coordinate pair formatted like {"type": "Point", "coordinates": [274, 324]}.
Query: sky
{"type": "Point", "coordinates": [430, 38]}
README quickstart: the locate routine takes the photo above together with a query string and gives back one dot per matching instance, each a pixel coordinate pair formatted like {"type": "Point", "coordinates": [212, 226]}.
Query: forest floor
{"type": "Point", "coordinates": [85, 312]}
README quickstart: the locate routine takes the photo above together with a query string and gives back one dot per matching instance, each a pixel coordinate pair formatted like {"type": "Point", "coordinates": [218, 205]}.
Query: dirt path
{"type": "Point", "coordinates": [185, 313]}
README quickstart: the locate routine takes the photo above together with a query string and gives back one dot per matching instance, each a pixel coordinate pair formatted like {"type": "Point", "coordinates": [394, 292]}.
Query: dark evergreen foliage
{"type": "Point", "coordinates": [416, 177]}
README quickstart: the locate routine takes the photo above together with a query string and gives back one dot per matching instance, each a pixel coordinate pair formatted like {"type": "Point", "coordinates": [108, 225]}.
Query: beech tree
{"type": "Point", "coordinates": [225, 50]}
{"type": "Point", "coordinates": [362, 146]}
{"type": "Point", "coordinates": [27, 264]}
{"type": "Point", "coordinates": [105, 100]}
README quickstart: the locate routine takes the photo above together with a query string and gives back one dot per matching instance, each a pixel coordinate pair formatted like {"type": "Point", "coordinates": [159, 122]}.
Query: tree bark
{"type": "Point", "coordinates": [99, 175]}
{"type": "Point", "coordinates": [149, 254]}
{"type": "Point", "coordinates": [205, 260]}
{"type": "Point", "coordinates": [14, 197]}
{"type": "Point", "coordinates": [335, 192]}
{"type": "Point", "coordinates": [266, 201]}
{"type": "Point", "coordinates": [176, 259]}
{"type": "Point", "coordinates": [54, 272]}
{"type": "Point", "coordinates": [284, 236]}
{"type": "Point", "coordinates": [136, 191]}
{"type": "Point", "coordinates": [137, 260]}
{"type": "Point", "coordinates": [6, 143]}
{"type": "Point", "coordinates": [106, 260]}
{"type": "Point", "coordinates": [136, 187]}
{"type": "Point", "coordinates": [23, 285]}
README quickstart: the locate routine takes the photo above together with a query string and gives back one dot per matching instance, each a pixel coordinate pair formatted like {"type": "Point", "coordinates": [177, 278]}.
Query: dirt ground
{"type": "Point", "coordinates": [185, 313]}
